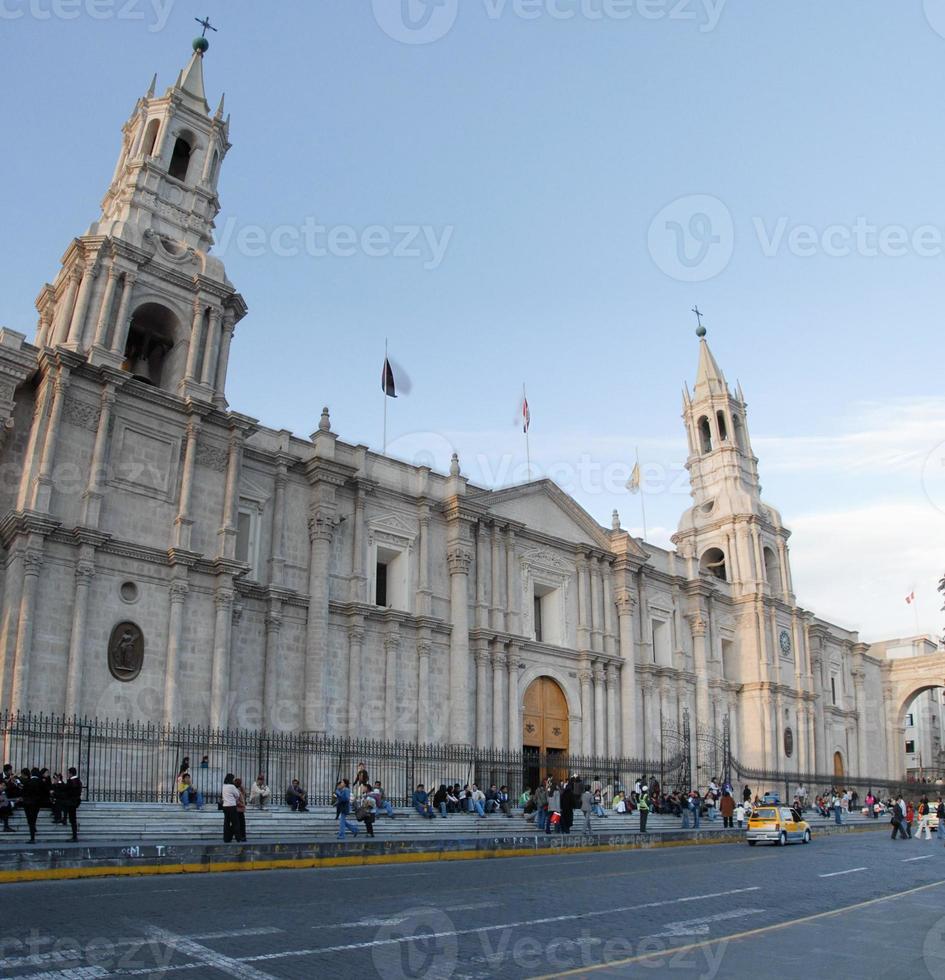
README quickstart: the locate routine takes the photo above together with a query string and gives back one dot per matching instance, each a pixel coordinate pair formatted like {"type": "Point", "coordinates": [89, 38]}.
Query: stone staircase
{"type": "Point", "coordinates": [120, 823]}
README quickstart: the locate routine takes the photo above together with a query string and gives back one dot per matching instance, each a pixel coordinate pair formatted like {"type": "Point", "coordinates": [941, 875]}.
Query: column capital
{"type": "Point", "coordinates": [223, 598]}
{"type": "Point", "coordinates": [697, 624]}
{"type": "Point", "coordinates": [500, 659]}
{"type": "Point", "coordinates": [600, 674]}
{"type": "Point", "coordinates": [459, 560]}
{"type": "Point", "coordinates": [612, 674]}
{"type": "Point", "coordinates": [33, 562]}
{"type": "Point", "coordinates": [84, 573]}
{"type": "Point", "coordinates": [482, 657]}
{"type": "Point", "coordinates": [179, 592]}
{"type": "Point", "coordinates": [321, 527]}
{"type": "Point", "coordinates": [273, 623]}
{"type": "Point", "coordinates": [424, 649]}
{"type": "Point", "coordinates": [625, 602]}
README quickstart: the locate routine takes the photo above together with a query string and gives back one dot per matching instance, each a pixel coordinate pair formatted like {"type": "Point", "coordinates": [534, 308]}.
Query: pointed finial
{"type": "Point", "coordinates": [219, 113]}
{"type": "Point", "coordinates": [152, 87]}
{"type": "Point", "coordinates": [454, 465]}
{"type": "Point", "coordinates": [615, 522]}
{"type": "Point", "coordinates": [700, 330]}
{"type": "Point", "coordinates": [325, 424]}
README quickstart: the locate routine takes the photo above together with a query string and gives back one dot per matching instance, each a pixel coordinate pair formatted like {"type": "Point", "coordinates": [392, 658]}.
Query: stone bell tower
{"type": "Point", "coordinates": [729, 533]}
{"type": "Point", "coordinates": [139, 291]}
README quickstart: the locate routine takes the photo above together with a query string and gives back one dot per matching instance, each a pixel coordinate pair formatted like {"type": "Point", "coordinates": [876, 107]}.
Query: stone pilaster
{"type": "Point", "coordinates": [272, 712]}
{"type": "Point", "coordinates": [500, 712]}
{"type": "Point", "coordinates": [424, 649]}
{"type": "Point", "coordinates": [391, 706]}
{"type": "Point", "coordinates": [33, 561]}
{"type": "Point", "coordinates": [95, 489]}
{"type": "Point", "coordinates": [613, 720]}
{"type": "Point", "coordinates": [628, 675]}
{"type": "Point", "coordinates": [600, 710]}
{"type": "Point", "coordinates": [179, 591]}
{"type": "Point", "coordinates": [587, 710]}
{"type": "Point", "coordinates": [321, 529]}
{"type": "Point", "coordinates": [123, 317]}
{"type": "Point", "coordinates": [84, 574]}
{"type": "Point", "coordinates": [183, 522]}
{"type": "Point", "coordinates": [459, 560]}
{"type": "Point", "coordinates": [226, 536]}
{"type": "Point", "coordinates": [515, 699]}
{"type": "Point", "coordinates": [220, 675]}
{"type": "Point", "coordinates": [483, 691]}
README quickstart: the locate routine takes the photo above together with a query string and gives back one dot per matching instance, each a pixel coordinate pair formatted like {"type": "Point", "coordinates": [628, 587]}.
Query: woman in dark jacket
{"type": "Point", "coordinates": [439, 800]}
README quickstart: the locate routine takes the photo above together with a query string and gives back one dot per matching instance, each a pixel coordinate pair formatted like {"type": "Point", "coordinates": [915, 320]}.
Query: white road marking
{"type": "Point", "coordinates": [925, 857]}
{"type": "Point", "coordinates": [577, 916]}
{"type": "Point", "coordinates": [75, 954]}
{"type": "Point", "coordinates": [701, 927]}
{"type": "Point", "coordinates": [836, 874]}
{"type": "Point", "coordinates": [396, 919]}
{"type": "Point", "coordinates": [389, 877]}
{"type": "Point", "coordinates": [78, 973]}
{"type": "Point", "coordinates": [209, 957]}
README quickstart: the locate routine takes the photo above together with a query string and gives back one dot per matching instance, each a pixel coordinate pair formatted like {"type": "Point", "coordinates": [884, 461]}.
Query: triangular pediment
{"type": "Point", "coordinates": [546, 508]}
{"type": "Point", "coordinates": [395, 523]}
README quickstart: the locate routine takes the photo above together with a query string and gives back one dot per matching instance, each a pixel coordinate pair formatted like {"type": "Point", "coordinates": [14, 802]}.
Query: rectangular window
{"type": "Point", "coordinates": [910, 747]}
{"type": "Point", "coordinates": [380, 579]}
{"type": "Point", "coordinates": [910, 721]}
{"type": "Point", "coordinates": [547, 615]}
{"type": "Point", "coordinates": [247, 538]}
{"type": "Point", "coordinates": [833, 689]}
{"type": "Point", "coordinates": [538, 630]}
{"type": "Point", "coordinates": [662, 643]}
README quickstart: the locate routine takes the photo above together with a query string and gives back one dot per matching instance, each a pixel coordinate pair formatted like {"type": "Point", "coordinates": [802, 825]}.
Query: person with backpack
{"type": "Point", "coordinates": [364, 813]}
{"type": "Point", "coordinates": [898, 819]}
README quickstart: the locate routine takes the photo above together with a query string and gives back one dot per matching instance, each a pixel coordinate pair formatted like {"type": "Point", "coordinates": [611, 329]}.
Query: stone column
{"type": "Point", "coordinates": [77, 326]}
{"type": "Point", "coordinates": [84, 573]}
{"type": "Point", "coordinates": [761, 576]}
{"type": "Point", "coordinates": [196, 337]}
{"type": "Point", "coordinates": [483, 721]}
{"type": "Point", "coordinates": [610, 640]}
{"type": "Point", "coordinates": [600, 711]}
{"type": "Point", "coordinates": [613, 729]}
{"type": "Point", "coordinates": [859, 678]}
{"type": "Point", "coordinates": [647, 748]}
{"type": "Point", "coordinates": [424, 592]}
{"type": "Point", "coordinates": [32, 566]}
{"type": "Point", "coordinates": [358, 581]}
{"type": "Point", "coordinates": [320, 531]}
{"type": "Point", "coordinates": [515, 700]}
{"type": "Point", "coordinates": [273, 721]}
{"type": "Point", "coordinates": [595, 623]}
{"type": "Point", "coordinates": [423, 692]}
{"type": "Point", "coordinates": [583, 620]}
{"type": "Point", "coordinates": [65, 307]}
{"type": "Point", "coordinates": [123, 317]}
{"type": "Point", "coordinates": [500, 712]}
{"type": "Point", "coordinates": [497, 613]}
{"type": "Point", "coordinates": [628, 675]}
{"type": "Point", "coordinates": [220, 676]}
{"type": "Point", "coordinates": [44, 484]}
{"type": "Point", "coordinates": [208, 375]}
{"type": "Point", "coordinates": [699, 628]}
{"type": "Point", "coordinates": [175, 627]}
{"type": "Point", "coordinates": [391, 707]}
{"type": "Point", "coordinates": [95, 489]}
{"type": "Point", "coordinates": [105, 311]}
{"type": "Point", "coordinates": [277, 547]}
{"type": "Point", "coordinates": [587, 710]}
{"type": "Point", "coordinates": [10, 611]}
{"type": "Point", "coordinates": [783, 561]}
{"type": "Point", "coordinates": [223, 360]}
{"type": "Point", "coordinates": [459, 561]}
{"type": "Point", "coordinates": [183, 522]}
{"type": "Point", "coordinates": [513, 619]}
{"type": "Point", "coordinates": [226, 536]}
{"type": "Point", "coordinates": [482, 548]}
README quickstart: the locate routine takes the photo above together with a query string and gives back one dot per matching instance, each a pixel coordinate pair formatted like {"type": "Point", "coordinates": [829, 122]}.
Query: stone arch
{"type": "Point", "coordinates": [152, 349]}
{"type": "Point", "coordinates": [839, 766]}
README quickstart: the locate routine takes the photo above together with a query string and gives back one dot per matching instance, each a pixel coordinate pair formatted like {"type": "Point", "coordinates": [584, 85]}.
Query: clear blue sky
{"type": "Point", "coordinates": [544, 148]}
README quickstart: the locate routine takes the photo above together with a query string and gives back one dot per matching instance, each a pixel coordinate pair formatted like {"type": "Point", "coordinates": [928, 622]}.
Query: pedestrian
{"type": "Point", "coordinates": [923, 813]}
{"type": "Point", "coordinates": [587, 803]}
{"type": "Point", "coordinates": [72, 799]}
{"type": "Point", "coordinates": [229, 799]}
{"type": "Point", "coordinates": [910, 817]}
{"type": "Point", "coordinates": [740, 816]}
{"type": "Point", "coordinates": [838, 809]}
{"type": "Point", "coordinates": [568, 804]}
{"type": "Point", "coordinates": [364, 813]}
{"type": "Point", "coordinates": [240, 811]}
{"type": "Point", "coordinates": [541, 807]}
{"type": "Point", "coordinates": [727, 807]}
{"type": "Point", "coordinates": [35, 797]}
{"type": "Point", "coordinates": [898, 819]}
{"type": "Point", "coordinates": [940, 813]}
{"type": "Point", "coordinates": [343, 796]}
{"type": "Point", "coordinates": [644, 806]}
{"type": "Point", "coordinates": [746, 794]}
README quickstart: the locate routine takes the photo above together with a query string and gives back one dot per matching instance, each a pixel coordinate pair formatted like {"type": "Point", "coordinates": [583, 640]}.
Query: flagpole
{"type": "Point", "coordinates": [915, 609]}
{"type": "Point", "coordinates": [528, 451]}
{"type": "Point", "coordinates": [384, 389]}
{"type": "Point", "coordinates": [642, 499]}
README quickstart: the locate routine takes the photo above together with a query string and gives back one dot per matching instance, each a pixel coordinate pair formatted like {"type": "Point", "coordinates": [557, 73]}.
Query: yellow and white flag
{"type": "Point", "coordinates": [633, 484]}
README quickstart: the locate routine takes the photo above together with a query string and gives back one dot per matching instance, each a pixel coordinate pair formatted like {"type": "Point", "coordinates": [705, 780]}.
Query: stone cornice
{"type": "Point", "coordinates": [25, 522]}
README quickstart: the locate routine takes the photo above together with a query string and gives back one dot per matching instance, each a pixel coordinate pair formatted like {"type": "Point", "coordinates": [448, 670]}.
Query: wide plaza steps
{"type": "Point", "coordinates": [101, 823]}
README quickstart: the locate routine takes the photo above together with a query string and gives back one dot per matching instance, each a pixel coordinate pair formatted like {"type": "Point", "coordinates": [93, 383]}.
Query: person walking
{"type": "Point", "coordinates": [230, 797]}
{"type": "Point", "coordinates": [72, 798]}
{"type": "Point", "coordinates": [910, 816]}
{"type": "Point", "coordinates": [727, 806]}
{"type": "Point", "coordinates": [898, 820]}
{"type": "Point", "coordinates": [343, 797]}
{"type": "Point", "coordinates": [940, 813]}
{"type": "Point", "coordinates": [644, 807]}
{"type": "Point", "coordinates": [541, 807]}
{"type": "Point", "coordinates": [35, 797]}
{"type": "Point", "coordinates": [568, 804]}
{"type": "Point", "coordinates": [587, 804]}
{"type": "Point", "coordinates": [240, 811]}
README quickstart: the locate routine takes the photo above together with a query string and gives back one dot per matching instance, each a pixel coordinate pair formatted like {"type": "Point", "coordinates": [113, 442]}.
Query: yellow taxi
{"type": "Point", "coordinates": [777, 824]}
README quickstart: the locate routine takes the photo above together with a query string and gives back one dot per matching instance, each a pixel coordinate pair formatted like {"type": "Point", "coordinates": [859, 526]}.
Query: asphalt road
{"type": "Point", "coordinates": [858, 905]}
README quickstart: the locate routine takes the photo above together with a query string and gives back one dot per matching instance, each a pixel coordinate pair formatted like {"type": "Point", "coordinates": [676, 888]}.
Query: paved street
{"type": "Point", "coordinates": [695, 911]}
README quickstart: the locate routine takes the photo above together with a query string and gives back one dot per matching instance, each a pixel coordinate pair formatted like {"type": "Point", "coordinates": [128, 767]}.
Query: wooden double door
{"type": "Point", "coordinates": [545, 732]}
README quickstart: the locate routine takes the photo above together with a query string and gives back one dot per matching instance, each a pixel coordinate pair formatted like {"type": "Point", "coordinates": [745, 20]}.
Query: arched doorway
{"type": "Point", "coordinates": [545, 731]}
{"type": "Point", "coordinates": [839, 772]}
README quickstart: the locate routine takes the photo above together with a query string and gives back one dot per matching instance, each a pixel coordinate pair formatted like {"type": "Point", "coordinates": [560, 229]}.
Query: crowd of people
{"type": "Point", "coordinates": [33, 790]}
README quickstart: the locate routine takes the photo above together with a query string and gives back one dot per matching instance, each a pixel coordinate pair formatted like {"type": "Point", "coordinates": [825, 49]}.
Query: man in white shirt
{"type": "Point", "coordinates": [260, 793]}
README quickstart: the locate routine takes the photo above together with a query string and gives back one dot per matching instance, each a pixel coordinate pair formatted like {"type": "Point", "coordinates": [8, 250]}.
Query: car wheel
{"type": "Point", "coordinates": [806, 836]}
{"type": "Point", "coordinates": [752, 843]}
{"type": "Point", "coordinates": [782, 840]}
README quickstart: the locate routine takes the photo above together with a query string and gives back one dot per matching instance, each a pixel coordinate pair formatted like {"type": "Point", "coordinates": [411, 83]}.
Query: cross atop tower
{"type": "Point", "coordinates": [206, 25]}
{"type": "Point", "coordinates": [700, 330]}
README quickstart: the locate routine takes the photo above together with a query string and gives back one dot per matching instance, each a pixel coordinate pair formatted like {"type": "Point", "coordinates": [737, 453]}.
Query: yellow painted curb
{"type": "Point", "coordinates": [415, 857]}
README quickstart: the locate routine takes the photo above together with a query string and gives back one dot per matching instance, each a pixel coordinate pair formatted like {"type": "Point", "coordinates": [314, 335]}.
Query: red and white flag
{"type": "Point", "coordinates": [526, 415]}
{"type": "Point", "coordinates": [910, 598]}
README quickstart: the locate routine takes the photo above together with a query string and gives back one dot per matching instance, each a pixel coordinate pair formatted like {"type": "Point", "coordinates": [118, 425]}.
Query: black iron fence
{"type": "Point", "coordinates": [816, 784]}
{"type": "Point", "coordinates": [139, 762]}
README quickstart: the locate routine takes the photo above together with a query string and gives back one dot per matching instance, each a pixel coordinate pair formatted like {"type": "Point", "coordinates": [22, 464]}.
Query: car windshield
{"type": "Point", "coordinates": [765, 813]}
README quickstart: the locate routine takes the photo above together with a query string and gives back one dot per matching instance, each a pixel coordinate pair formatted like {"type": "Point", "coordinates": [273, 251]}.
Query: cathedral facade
{"type": "Point", "coordinates": [166, 558]}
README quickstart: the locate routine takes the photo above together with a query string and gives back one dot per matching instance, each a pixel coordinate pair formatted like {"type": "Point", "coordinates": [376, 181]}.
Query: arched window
{"type": "Point", "coordinates": [150, 137]}
{"type": "Point", "coordinates": [150, 341]}
{"type": "Point", "coordinates": [772, 570]}
{"type": "Point", "coordinates": [723, 428]}
{"type": "Point", "coordinates": [713, 562]}
{"type": "Point", "coordinates": [705, 435]}
{"type": "Point", "coordinates": [180, 159]}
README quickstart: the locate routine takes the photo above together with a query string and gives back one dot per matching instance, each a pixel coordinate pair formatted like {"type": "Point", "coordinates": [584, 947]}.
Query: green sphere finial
{"type": "Point", "coordinates": [201, 44]}
{"type": "Point", "coordinates": [701, 331]}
